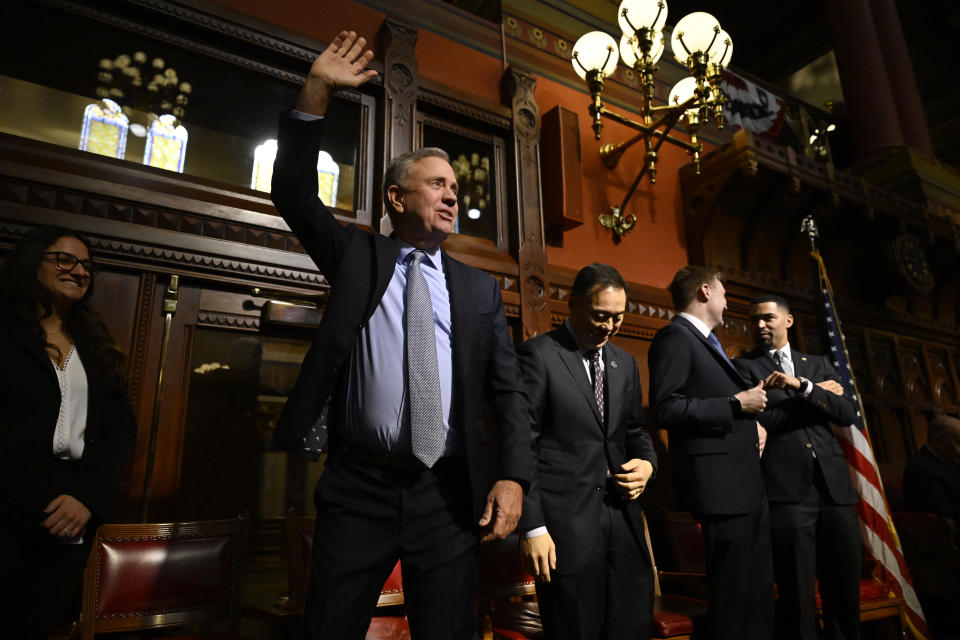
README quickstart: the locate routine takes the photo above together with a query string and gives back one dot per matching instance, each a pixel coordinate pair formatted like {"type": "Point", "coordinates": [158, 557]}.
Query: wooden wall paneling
{"type": "Point", "coordinates": [518, 87]}
{"type": "Point", "coordinates": [917, 383]}
{"type": "Point", "coordinates": [144, 381]}
{"type": "Point", "coordinates": [397, 41]}
{"type": "Point", "coordinates": [143, 322]}
{"type": "Point", "coordinates": [941, 385]}
{"type": "Point", "coordinates": [166, 470]}
{"type": "Point", "coordinates": [953, 371]}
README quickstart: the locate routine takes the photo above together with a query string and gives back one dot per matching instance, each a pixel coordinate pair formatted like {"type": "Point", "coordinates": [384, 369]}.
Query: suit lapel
{"type": "Point", "coordinates": [385, 252]}
{"type": "Point", "coordinates": [801, 365]}
{"type": "Point", "coordinates": [570, 356]}
{"type": "Point", "coordinates": [461, 312]}
{"type": "Point", "coordinates": [612, 375]}
{"type": "Point", "coordinates": [35, 349]}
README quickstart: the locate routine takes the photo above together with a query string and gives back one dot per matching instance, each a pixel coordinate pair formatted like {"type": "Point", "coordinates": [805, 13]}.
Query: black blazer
{"type": "Point", "coordinates": [797, 426]}
{"type": "Point", "coordinates": [573, 447]}
{"type": "Point", "coordinates": [930, 484]}
{"type": "Point", "coordinates": [715, 452]}
{"type": "Point", "coordinates": [359, 265]}
{"type": "Point", "coordinates": [30, 475]}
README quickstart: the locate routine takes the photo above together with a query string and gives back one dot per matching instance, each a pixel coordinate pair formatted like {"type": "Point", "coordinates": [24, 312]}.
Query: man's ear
{"type": "Point", "coordinates": [789, 320]}
{"type": "Point", "coordinates": [703, 292]}
{"type": "Point", "coordinates": [395, 196]}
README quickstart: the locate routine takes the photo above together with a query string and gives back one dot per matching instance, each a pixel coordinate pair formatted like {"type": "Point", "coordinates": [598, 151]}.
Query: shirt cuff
{"type": "Point", "coordinates": [536, 531]}
{"type": "Point", "coordinates": [807, 388]}
{"type": "Point", "coordinates": [300, 115]}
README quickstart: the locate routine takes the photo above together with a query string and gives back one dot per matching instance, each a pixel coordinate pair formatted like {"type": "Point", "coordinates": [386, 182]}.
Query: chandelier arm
{"type": "Point", "coordinates": [716, 32]}
{"type": "Point", "coordinates": [660, 6]}
{"type": "Point", "coordinates": [633, 187]}
{"type": "Point", "coordinates": [647, 129]}
{"type": "Point", "coordinates": [624, 14]}
{"type": "Point", "coordinates": [616, 117]}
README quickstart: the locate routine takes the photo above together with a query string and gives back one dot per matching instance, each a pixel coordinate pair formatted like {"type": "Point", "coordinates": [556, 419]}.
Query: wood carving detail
{"type": "Point", "coordinates": [141, 331]}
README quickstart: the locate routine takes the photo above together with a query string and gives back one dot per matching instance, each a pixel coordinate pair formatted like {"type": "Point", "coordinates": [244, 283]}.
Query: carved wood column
{"type": "Point", "coordinates": [518, 87]}
{"type": "Point", "coordinates": [397, 42]}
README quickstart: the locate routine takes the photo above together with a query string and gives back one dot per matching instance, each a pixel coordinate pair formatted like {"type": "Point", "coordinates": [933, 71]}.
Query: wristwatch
{"type": "Point", "coordinates": [735, 404]}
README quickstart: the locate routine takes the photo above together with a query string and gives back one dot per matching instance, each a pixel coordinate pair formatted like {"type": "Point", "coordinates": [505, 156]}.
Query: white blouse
{"type": "Point", "coordinates": [72, 421]}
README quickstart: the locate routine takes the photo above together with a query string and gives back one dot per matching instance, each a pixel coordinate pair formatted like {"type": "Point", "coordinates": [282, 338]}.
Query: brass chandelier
{"type": "Point", "coordinates": [698, 42]}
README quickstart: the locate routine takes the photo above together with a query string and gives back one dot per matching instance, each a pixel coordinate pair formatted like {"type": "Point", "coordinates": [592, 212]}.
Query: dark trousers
{"type": "Point", "coordinates": [610, 597]}
{"type": "Point", "coordinates": [367, 518]}
{"type": "Point", "coordinates": [816, 539]}
{"type": "Point", "coordinates": [740, 574]}
{"type": "Point", "coordinates": [40, 577]}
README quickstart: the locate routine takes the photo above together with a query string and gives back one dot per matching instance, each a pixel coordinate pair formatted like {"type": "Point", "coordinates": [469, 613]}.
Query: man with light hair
{"type": "Point", "coordinates": [412, 345]}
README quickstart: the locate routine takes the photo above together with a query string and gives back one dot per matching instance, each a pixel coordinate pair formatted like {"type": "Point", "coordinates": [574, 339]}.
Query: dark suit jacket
{"type": "Point", "coordinates": [574, 448]}
{"type": "Point", "coordinates": [930, 484]}
{"type": "Point", "coordinates": [715, 453]}
{"type": "Point", "coordinates": [796, 426]}
{"type": "Point", "coordinates": [30, 475]}
{"type": "Point", "coordinates": [359, 265]}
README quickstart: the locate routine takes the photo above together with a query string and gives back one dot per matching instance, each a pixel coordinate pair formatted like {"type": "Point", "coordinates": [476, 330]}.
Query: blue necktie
{"type": "Point", "coordinates": [715, 342]}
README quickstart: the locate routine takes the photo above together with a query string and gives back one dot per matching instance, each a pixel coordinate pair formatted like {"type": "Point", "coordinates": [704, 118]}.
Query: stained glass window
{"type": "Point", "coordinates": [166, 144]}
{"type": "Point", "coordinates": [328, 177]}
{"type": "Point", "coordinates": [104, 129]}
{"type": "Point", "coordinates": [263, 157]}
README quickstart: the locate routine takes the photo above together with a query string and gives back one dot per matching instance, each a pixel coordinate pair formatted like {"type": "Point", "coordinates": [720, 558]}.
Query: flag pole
{"type": "Point", "coordinates": [876, 522]}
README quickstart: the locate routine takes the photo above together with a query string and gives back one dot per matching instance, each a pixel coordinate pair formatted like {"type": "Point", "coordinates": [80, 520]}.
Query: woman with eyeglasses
{"type": "Point", "coordinates": [66, 427]}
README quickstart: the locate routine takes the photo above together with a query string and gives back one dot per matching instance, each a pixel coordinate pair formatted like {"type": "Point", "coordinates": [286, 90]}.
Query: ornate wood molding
{"type": "Point", "coordinates": [397, 42]}
{"type": "Point", "coordinates": [518, 88]}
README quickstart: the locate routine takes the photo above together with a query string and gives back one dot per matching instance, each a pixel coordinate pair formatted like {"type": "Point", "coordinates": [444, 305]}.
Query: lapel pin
{"type": "Point", "coordinates": [613, 364]}
{"type": "Point", "coordinates": [802, 358]}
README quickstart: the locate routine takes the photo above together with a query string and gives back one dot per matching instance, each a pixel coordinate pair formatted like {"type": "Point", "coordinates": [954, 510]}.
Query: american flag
{"type": "Point", "coordinates": [879, 535]}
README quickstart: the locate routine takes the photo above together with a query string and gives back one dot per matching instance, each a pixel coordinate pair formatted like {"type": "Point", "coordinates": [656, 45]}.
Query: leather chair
{"type": "Point", "coordinates": [148, 576]}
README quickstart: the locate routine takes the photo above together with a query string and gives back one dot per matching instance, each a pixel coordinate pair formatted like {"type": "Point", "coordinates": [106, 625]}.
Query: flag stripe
{"type": "Point", "coordinates": [879, 535]}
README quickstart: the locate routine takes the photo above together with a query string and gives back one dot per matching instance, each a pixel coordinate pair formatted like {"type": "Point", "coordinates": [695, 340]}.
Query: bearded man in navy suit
{"type": "Point", "coordinates": [816, 532]}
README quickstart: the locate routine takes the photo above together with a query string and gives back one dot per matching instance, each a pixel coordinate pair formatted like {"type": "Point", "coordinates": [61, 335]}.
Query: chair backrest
{"type": "Point", "coordinates": [501, 570]}
{"type": "Point", "coordinates": [142, 576]}
{"type": "Point", "coordinates": [298, 535]}
{"type": "Point", "coordinates": [686, 540]}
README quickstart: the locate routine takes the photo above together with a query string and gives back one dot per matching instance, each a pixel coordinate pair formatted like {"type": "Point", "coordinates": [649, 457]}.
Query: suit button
{"type": "Point", "coordinates": [808, 446]}
{"type": "Point", "coordinates": [599, 488]}
{"type": "Point", "coordinates": [756, 445]}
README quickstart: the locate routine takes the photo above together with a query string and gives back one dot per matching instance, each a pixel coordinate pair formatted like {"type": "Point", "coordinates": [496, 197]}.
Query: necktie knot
{"type": "Point", "coordinates": [416, 257]}
{"type": "Point", "coordinates": [594, 356]}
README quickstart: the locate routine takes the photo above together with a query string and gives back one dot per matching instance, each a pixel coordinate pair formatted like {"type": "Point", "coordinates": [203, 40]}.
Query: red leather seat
{"type": "Point", "coordinates": [143, 576]}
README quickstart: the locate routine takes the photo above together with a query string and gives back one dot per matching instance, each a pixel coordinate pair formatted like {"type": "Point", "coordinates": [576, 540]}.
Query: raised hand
{"type": "Point", "coordinates": [342, 64]}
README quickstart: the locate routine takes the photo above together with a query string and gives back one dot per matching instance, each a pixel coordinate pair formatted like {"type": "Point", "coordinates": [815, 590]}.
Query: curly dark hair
{"type": "Point", "coordinates": [22, 295]}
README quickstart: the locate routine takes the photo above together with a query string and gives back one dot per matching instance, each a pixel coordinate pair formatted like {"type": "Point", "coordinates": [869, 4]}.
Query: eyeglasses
{"type": "Point", "coordinates": [67, 261]}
